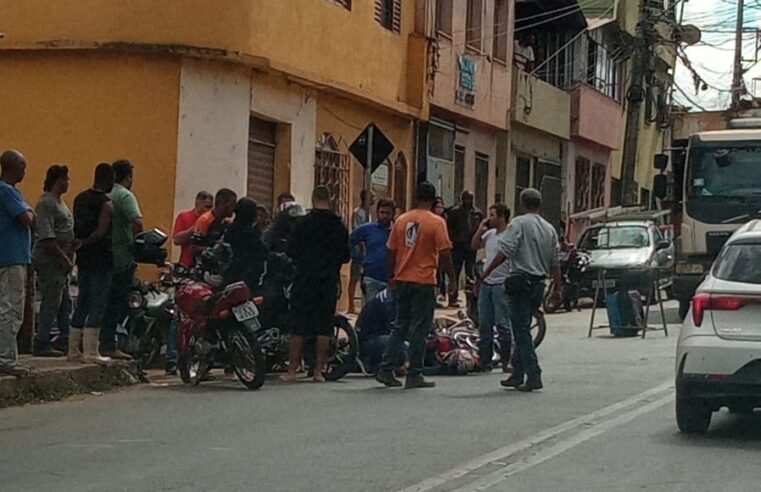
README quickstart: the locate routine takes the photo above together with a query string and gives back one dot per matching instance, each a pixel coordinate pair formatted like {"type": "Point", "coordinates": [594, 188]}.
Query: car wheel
{"type": "Point", "coordinates": [692, 417]}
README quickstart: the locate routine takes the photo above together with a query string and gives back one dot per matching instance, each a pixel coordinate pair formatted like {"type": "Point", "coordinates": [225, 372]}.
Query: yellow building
{"type": "Point", "coordinates": [261, 96]}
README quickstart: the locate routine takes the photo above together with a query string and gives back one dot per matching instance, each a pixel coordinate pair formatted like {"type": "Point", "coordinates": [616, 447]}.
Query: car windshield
{"type": "Point", "coordinates": [615, 238]}
{"type": "Point", "coordinates": [739, 263]}
{"type": "Point", "coordinates": [725, 170]}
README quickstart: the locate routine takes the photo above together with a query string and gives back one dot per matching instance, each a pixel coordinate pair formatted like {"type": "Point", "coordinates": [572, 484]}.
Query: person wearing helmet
{"type": "Point", "coordinates": [278, 234]}
{"type": "Point", "coordinates": [245, 240]}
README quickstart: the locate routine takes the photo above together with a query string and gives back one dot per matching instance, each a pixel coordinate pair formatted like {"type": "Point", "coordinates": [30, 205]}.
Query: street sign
{"type": "Point", "coordinates": [380, 147]}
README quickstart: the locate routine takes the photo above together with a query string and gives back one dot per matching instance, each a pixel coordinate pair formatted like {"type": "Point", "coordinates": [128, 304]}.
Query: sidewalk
{"type": "Point", "coordinates": [55, 378]}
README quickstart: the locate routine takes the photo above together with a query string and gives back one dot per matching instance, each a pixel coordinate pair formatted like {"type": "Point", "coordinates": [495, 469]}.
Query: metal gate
{"type": "Point", "coordinates": [332, 170]}
{"type": "Point", "coordinates": [261, 161]}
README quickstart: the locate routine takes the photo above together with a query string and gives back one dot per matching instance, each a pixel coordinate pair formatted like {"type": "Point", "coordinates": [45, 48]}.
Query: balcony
{"type": "Point", "coordinates": [596, 117]}
{"type": "Point", "coordinates": [541, 106]}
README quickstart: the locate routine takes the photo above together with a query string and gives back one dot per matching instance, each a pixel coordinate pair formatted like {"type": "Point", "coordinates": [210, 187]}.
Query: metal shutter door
{"type": "Point", "coordinates": [261, 161]}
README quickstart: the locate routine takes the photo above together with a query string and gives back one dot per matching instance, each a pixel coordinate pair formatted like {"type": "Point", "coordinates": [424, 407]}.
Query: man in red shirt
{"type": "Point", "coordinates": [185, 224]}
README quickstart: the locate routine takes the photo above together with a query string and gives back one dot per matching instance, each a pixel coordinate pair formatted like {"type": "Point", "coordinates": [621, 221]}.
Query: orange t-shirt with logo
{"type": "Point", "coordinates": [417, 239]}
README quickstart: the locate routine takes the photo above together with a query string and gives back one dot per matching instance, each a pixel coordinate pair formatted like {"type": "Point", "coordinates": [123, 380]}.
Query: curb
{"type": "Point", "coordinates": [55, 384]}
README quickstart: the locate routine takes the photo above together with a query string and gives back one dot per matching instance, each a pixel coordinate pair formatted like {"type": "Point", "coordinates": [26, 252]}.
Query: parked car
{"type": "Point", "coordinates": [718, 356]}
{"type": "Point", "coordinates": [617, 246]}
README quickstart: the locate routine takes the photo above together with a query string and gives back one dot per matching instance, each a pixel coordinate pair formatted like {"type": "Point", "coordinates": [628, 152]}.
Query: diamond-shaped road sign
{"type": "Point", "coordinates": [382, 147]}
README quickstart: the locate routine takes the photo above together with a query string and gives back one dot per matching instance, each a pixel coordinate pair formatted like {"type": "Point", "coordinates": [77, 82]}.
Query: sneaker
{"type": "Point", "coordinates": [48, 351]}
{"type": "Point", "coordinates": [16, 370]}
{"type": "Point", "coordinates": [512, 382]}
{"type": "Point", "coordinates": [533, 383]}
{"type": "Point", "coordinates": [388, 379]}
{"type": "Point", "coordinates": [417, 381]}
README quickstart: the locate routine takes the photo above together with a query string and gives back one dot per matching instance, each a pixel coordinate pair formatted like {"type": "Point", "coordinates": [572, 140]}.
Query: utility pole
{"type": "Point", "coordinates": [737, 79]}
{"type": "Point", "coordinates": [635, 97]}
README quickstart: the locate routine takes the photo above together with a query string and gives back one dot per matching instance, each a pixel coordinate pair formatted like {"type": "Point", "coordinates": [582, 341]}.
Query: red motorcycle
{"type": "Point", "coordinates": [218, 327]}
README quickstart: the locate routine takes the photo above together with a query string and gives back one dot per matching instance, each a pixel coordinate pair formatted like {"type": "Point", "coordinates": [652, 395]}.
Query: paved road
{"type": "Point", "coordinates": [604, 422]}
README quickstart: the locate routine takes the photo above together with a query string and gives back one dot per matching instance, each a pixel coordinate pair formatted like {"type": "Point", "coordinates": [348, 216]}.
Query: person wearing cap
{"type": "Point", "coordinates": [531, 246]}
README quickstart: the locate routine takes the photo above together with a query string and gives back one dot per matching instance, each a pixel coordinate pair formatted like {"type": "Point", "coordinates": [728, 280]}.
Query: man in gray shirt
{"type": "Point", "coordinates": [52, 257]}
{"type": "Point", "coordinates": [531, 248]}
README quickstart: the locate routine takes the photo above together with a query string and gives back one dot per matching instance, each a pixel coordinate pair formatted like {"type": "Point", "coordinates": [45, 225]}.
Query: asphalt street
{"type": "Point", "coordinates": [603, 422]}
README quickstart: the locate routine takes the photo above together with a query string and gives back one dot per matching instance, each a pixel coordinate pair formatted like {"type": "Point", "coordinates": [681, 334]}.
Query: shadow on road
{"type": "Point", "coordinates": [730, 431]}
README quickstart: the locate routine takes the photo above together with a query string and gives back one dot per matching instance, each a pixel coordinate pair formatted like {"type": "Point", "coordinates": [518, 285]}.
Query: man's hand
{"type": "Point", "coordinates": [66, 263]}
{"type": "Point", "coordinates": [76, 244]}
{"type": "Point", "coordinates": [477, 287]}
{"type": "Point", "coordinates": [391, 284]}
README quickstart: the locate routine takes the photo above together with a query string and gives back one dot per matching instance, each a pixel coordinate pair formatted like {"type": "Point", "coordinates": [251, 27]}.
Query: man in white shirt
{"type": "Point", "coordinates": [492, 299]}
{"type": "Point", "coordinates": [524, 53]}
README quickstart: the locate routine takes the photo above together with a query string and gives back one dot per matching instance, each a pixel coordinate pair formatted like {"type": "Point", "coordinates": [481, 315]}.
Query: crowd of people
{"type": "Point", "coordinates": [402, 261]}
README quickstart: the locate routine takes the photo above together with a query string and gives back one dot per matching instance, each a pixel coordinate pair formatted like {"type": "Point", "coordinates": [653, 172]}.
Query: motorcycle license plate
{"type": "Point", "coordinates": [608, 283]}
{"type": "Point", "coordinates": [245, 312]}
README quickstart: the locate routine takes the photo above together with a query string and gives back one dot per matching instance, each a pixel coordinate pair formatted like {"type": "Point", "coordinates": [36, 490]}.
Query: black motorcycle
{"type": "Point", "coordinates": [277, 322]}
{"type": "Point", "coordinates": [573, 266]}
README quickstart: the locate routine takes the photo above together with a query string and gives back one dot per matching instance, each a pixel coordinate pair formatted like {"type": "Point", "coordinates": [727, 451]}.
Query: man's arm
{"type": "Point", "coordinates": [495, 263]}
{"type": "Point", "coordinates": [47, 238]}
{"type": "Point", "coordinates": [182, 233]}
{"type": "Point", "coordinates": [104, 221]}
{"type": "Point", "coordinates": [391, 267]}
{"type": "Point", "coordinates": [26, 218]}
{"type": "Point", "coordinates": [477, 242]}
{"type": "Point", "coordinates": [137, 225]}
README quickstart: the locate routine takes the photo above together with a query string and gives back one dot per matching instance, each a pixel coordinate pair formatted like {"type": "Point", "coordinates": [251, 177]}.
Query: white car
{"type": "Point", "coordinates": [718, 356]}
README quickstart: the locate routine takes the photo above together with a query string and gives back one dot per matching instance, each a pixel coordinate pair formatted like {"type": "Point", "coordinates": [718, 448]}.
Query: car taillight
{"type": "Point", "coordinates": [719, 302]}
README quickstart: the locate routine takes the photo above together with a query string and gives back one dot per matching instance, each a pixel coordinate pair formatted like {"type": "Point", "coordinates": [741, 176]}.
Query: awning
{"type": "Point", "coordinates": [549, 15]}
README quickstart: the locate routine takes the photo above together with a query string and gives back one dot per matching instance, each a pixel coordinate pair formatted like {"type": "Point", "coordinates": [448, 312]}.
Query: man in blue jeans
{"type": "Point", "coordinates": [531, 246]}
{"type": "Point", "coordinates": [492, 299]}
{"type": "Point", "coordinates": [374, 236]}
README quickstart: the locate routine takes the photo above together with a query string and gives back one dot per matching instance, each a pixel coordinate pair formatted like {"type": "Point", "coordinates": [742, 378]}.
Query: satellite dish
{"type": "Point", "coordinates": [688, 34]}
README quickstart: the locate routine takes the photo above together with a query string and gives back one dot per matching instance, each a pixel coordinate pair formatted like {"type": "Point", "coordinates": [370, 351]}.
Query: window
{"type": "Point", "coordinates": [598, 185]}
{"type": "Point", "coordinates": [473, 24]}
{"type": "Point", "coordinates": [344, 3]}
{"type": "Point", "coordinates": [740, 262]}
{"type": "Point", "coordinates": [644, 198]}
{"type": "Point", "coordinates": [444, 16]}
{"type": "Point", "coordinates": [388, 13]}
{"type": "Point", "coordinates": [615, 192]}
{"type": "Point", "coordinates": [582, 181]}
{"type": "Point", "coordinates": [441, 142]}
{"type": "Point", "coordinates": [500, 31]}
{"type": "Point", "coordinates": [604, 73]}
{"type": "Point", "coordinates": [616, 237]}
{"type": "Point", "coordinates": [331, 168]}
{"type": "Point", "coordinates": [555, 58]}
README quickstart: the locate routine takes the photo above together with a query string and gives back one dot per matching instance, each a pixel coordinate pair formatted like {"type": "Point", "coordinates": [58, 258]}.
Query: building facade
{"type": "Point", "coordinates": [203, 96]}
{"type": "Point", "coordinates": [469, 88]}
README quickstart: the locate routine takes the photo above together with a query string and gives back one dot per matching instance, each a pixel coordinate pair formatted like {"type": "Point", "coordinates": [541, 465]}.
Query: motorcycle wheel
{"type": "Point", "coordinates": [343, 350]}
{"type": "Point", "coordinates": [538, 329]}
{"type": "Point", "coordinates": [187, 364]}
{"type": "Point", "coordinates": [247, 357]}
{"type": "Point", "coordinates": [149, 346]}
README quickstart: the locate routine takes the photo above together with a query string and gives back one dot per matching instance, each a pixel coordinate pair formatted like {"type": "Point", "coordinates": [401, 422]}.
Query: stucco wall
{"type": "Point", "coordinates": [481, 139]}
{"type": "Point", "coordinates": [213, 129]}
{"type": "Point", "coordinates": [492, 85]}
{"type": "Point", "coordinates": [84, 108]}
{"type": "Point", "coordinates": [685, 124]}
{"type": "Point", "coordinates": [540, 105]}
{"type": "Point", "coordinates": [596, 117]}
{"type": "Point", "coordinates": [274, 99]}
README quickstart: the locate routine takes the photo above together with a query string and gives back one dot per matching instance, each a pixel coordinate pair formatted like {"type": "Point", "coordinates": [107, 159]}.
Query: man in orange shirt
{"type": "Point", "coordinates": [211, 226]}
{"type": "Point", "coordinates": [418, 241]}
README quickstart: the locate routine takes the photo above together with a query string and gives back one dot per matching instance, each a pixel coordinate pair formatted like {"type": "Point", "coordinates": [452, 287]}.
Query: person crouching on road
{"type": "Point", "coordinates": [418, 241]}
{"type": "Point", "coordinates": [492, 299]}
{"type": "Point", "coordinates": [531, 245]}
{"type": "Point", "coordinates": [319, 246]}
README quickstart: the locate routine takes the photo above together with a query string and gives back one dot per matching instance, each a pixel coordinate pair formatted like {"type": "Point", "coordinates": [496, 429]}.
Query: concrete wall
{"type": "Point", "coordinates": [84, 108]}
{"type": "Point", "coordinates": [492, 87]}
{"type": "Point", "coordinates": [481, 139]}
{"type": "Point", "coordinates": [213, 129]}
{"type": "Point", "coordinates": [685, 124]}
{"type": "Point", "coordinates": [541, 106]}
{"type": "Point", "coordinates": [529, 142]}
{"type": "Point", "coordinates": [596, 117]}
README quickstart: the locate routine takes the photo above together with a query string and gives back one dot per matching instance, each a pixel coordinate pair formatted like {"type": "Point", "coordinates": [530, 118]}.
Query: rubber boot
{"type": "Point", "coordinates": [75, 345]}
{"type": "Point", "coordinates": [90, 345]}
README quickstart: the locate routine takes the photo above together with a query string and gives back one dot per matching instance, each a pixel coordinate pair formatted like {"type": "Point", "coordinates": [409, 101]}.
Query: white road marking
{"type": "Point", "coordinates": [498, 476]}
{"type": "Point", "coordinates": [502, 453]}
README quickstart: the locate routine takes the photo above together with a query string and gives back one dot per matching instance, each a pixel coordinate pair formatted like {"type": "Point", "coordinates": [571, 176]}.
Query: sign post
{"type": "Point", "coordinates": [371, 148]}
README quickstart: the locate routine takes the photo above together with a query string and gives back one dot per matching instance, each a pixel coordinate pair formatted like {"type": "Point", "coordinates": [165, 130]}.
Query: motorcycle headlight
{"type": "Point", "coordinates": [135, 300]}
